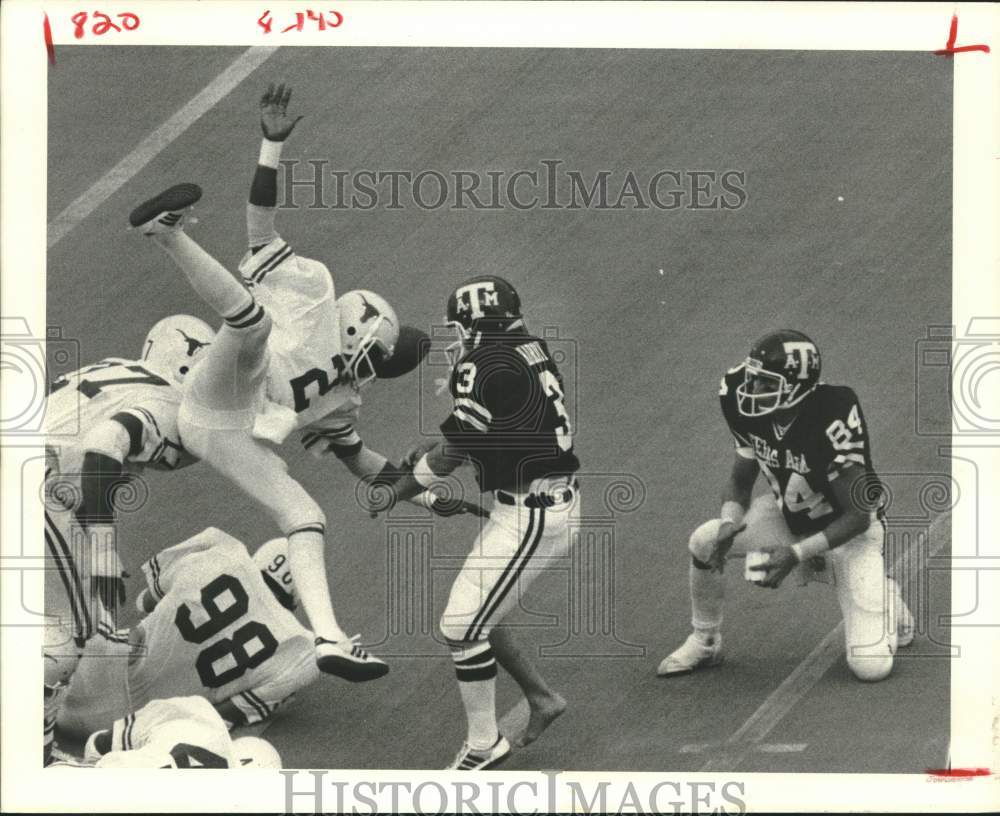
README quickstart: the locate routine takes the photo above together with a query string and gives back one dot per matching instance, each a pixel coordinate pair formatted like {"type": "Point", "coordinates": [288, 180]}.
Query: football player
{"type": "Point", "coordinates": [217, 623]}
{"type": "Point", "coordinates": [103, 422]}
{"type": "Point", "coordinates": [182, 732]}
{"type": "Point", "coordinates": [290, 355]}
{"type": "Point", "coordinates": [509, 420]}
{"type": "Point", "coordinates": [810, 440]}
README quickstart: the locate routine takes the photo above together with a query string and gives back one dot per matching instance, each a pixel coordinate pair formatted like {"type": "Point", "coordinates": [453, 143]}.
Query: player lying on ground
{"type": "Point", "coordinates": [103, 422]}
{"type": "Point", "coordinates": [811, 443]}
{"type": "Point", "coordinates": [268, 373]}
{"type": "Point", "coordinates": [181, 732]}
{"type": "Point", "coordinates": [217, 623]}
{"type": "Point", "coordinates": [510, 422]}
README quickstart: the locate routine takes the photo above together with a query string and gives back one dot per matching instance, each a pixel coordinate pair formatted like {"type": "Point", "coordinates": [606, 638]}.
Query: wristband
{"type": "Point", "coordinates": [732, 511]}
{"type": "Point", "coordinates": [423, 474]}
{"type": "Point", "coordinates": [270, 153]}
{"type": "Point", "coordinates": [809, 548]}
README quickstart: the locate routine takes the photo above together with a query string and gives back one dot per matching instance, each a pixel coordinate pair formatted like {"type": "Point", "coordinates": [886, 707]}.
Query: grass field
{"type": "Point", "coordinates": [650, 306]}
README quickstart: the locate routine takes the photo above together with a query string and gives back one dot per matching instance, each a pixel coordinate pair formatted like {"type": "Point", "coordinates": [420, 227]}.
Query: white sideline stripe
{"type": "Point", "coordinates": [736, 749]}
{"type": "Point", "coordinates": [150, 147]}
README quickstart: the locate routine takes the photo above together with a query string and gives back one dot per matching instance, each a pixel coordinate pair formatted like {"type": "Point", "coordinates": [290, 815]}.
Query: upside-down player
{"type": "Point", "coordinates": [179, 732]}
{"type": "Point", "coordinates": [218, 623]}
{"type": "Point", "coordinates": [510, 422]}
{"type": "Point", "coordinates": [290, 355]}
{"type": "Point", "coordinates": [104, 421]}
{"type": "Point", "coordinates": [810, 441]}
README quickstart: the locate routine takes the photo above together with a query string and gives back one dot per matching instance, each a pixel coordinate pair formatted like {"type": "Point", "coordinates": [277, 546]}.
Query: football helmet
{"type": "Point", "coordinates": [781, 370]}
{"type": "Point", "coordinates": [480, 305]}
{"type": "Point", "coordinates": [174, 343]}
{"type": "Point", "coordinates": [272, 560]}
{"type": "Point", "coordinates": [254, 752]}
{"type": "Point", "coordinates": [369, 330]}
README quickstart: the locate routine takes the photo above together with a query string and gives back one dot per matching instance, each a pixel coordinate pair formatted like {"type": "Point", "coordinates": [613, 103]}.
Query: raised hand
{"type": "Point", "coordinates": [275, 122]}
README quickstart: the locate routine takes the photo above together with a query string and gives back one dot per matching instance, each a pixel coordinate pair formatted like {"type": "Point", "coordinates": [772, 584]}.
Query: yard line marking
{"type": "Point", "coordinates": [154, 144]}
{"type": "Point", "coordinates": [736, 749]}
{"type": "Point", "coordinates": [764, 747]}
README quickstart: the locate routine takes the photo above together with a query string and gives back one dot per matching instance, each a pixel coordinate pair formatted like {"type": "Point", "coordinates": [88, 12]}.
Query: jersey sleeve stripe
{"type": "Point", "coordinates": [154, 567]}
{"type": "Point", "coordinates": [468, 419]}
{"type": "Point", "coordinates": [249, 699]}
{"type": "Point", "coordinates": [475, 408]}
{"type": "Point", "coordinates": [276, 260]}
{"type": "Point", "coordinates": [254, 698]}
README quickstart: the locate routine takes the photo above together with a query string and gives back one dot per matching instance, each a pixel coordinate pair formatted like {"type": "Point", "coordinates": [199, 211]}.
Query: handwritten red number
{"type": "Point", "coordinates": [78, 20]}
{"type": "Point", "coordinates": [104, 24]}
{"type": "Point", "coordinates": [265, 23]}
{"type": "Point", "coordinates": [340, 19]}
{"type": "Point", "coordinates": [129, 20]}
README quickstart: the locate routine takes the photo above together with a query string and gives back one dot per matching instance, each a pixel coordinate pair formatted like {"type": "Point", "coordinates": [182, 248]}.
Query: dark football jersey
{"type": "Point", "coordinates": [509, 416]}
{"type": "Point", "coordinates": [801, 461]}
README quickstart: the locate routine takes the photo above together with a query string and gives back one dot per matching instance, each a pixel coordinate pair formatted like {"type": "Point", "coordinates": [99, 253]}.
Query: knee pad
{"type": "Point", "coordinates": [300, 511]}
{"type": "Point", "coordinates": [702, 542]}
{"type": "Point", "coordinates": [871, 666]}
{"type": "Point", "coordinates": [454, 628]}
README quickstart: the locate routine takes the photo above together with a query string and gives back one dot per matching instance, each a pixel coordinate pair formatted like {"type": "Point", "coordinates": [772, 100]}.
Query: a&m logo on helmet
{"type": "Point", "coordinates": [486, 303]}
{"type": "Point", "coordinates": [781, 370]}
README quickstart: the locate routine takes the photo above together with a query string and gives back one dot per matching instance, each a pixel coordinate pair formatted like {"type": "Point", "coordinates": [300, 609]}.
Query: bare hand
{"type": "Point", "coordinates": [781, 561]}
{"type": "Point", "coordinates": [274, 121]}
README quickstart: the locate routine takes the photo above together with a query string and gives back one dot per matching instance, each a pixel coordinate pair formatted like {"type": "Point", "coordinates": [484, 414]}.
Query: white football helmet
{"type": "Point", "coordinates": [369, 330]}
{"type": "Point", "coordinates": [272, 559]}
{"type": "Point", "coordinates": [173, 345]}
{"type": "Point", "coordinates": [254, 752]}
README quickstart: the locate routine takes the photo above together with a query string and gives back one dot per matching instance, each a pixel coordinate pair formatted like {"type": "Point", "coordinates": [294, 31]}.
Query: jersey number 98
{"type": "Point", "coordinates": [233, 652]}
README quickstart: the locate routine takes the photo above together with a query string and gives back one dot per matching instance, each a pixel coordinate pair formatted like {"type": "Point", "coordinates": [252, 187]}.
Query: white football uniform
{"type": "Point", "coordinates": [306, 373]}
{"type": "Point", "coordinates": [217, 631]}
{"type": "Point", "coordinates": [78, 403]}
{"type": "Point", "coordinates": [181, 732]}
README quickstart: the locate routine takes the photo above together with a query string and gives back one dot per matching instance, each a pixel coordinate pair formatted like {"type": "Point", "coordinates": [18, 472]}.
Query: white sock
{"type": "Point", "coordinates": [308, 563]}
{"type": "Point", "coordinates": [476, 669]}
{"type": "Point", "coordinates": [211, 280]}
{"type": "Point", "coordinates": [707, 593]}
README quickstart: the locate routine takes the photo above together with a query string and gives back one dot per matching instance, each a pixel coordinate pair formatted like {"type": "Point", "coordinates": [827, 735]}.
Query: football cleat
{"type": "Point", "coordinates": [165, 212]}
{"type": "Point", "coordinates": [692, 655]}
{"type": "Point", "coordinates": [474, 759]}
{"type": "Point", "coordinates": [347, 660]}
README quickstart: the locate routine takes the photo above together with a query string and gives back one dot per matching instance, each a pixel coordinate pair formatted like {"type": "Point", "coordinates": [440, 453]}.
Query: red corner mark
{"type": "Point", "coordinates": [49, 47]}
{"type": "Point", "coordinates": [950, 48]}
{"type": "Point", "coordinates": [960, 773]}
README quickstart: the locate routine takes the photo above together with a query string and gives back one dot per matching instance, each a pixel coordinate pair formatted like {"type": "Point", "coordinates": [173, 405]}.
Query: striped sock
{"type": "Point", "coordinates": [246, 317]}
{"type": "Point", "coordinates": [476, 669]}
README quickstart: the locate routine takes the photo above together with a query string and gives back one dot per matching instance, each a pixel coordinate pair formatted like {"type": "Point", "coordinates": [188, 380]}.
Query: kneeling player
{"type": "Point", "coordinates": [219, 625]}
{"type": "Point", "coordinates": [810, 441]}
{"type": "Point", "coordinates": [180, 732]}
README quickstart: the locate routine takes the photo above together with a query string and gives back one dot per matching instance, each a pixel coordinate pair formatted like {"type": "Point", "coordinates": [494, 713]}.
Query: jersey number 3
{"type": "Point", "coordinates": [225, 601]}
